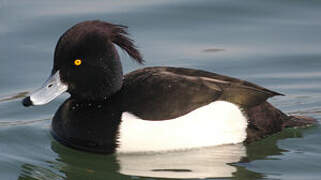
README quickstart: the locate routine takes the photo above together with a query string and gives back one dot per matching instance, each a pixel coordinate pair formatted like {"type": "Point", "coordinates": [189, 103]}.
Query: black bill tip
{"type": "Point", "coordinates": [27, 102]}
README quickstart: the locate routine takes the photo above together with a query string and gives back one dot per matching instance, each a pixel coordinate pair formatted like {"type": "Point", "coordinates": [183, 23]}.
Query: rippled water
{"type": "Point", "coordinates": [273, 43]}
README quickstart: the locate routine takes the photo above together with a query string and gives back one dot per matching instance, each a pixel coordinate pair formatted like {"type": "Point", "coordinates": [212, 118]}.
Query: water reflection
{"type": "Point", "coordinates": [79, 165]}
{"type": "Point", "coordinates": [214, 162]}
{"type": "Point", "coordinates": [32, 172]}
{"type": "Point", "coordinates": [197, 163]}
{"type": "Point", "coordinates": [263, 150]}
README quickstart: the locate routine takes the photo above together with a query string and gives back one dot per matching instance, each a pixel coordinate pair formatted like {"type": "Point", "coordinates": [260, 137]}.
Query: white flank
{"type": "Point", "coordinates": [217, 123]}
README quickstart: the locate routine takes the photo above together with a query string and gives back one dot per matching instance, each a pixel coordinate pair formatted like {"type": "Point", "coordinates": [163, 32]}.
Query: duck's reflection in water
{"type": "Point", "coordinates": [195, 163]}
{"type": "Point", "coordinates": [213, 162]}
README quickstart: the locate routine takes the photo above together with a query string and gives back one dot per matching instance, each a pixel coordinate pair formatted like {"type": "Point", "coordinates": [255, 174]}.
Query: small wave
{"type": "Point", "coordinates": [17, 123]}
{"type": "Point", "coordinates": [13, 96]}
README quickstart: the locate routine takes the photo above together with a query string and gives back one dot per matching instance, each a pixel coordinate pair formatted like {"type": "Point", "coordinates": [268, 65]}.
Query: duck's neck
{"type": "Point", "coordinates": [88, 125]}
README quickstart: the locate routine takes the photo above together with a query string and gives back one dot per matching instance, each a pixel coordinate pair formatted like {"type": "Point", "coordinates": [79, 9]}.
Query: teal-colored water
{"type": "Point", "coordinates": [273, 43]}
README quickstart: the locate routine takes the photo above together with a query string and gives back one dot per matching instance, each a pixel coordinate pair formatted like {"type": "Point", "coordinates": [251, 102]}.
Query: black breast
{"type": "Point", "coordinates": [89, 126]}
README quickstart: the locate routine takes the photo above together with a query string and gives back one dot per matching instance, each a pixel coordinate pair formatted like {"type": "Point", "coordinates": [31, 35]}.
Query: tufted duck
{"type": "Point", "coordinates": [150, 109]}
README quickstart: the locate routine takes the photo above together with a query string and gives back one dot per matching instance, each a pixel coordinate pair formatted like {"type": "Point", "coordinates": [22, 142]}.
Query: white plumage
{"type": "Point", "coordinates": [217, 123]}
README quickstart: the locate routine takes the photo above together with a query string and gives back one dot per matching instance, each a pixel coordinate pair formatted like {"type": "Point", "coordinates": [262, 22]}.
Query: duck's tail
{"type": "Point", "coordinates": [298, 121]}
{"type": "Point", "coordinates": [265, 119]}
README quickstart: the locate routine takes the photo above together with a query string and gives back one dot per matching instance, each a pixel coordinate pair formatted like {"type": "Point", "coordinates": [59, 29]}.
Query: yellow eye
{"type": "Point", "coordinates": [77, 62]}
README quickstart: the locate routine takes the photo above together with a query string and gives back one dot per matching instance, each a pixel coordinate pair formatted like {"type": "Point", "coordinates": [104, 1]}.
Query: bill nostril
{"type": "Point", "coordinates": [50, 85]}
{"type": "Point", "coordinates": [27, 102]}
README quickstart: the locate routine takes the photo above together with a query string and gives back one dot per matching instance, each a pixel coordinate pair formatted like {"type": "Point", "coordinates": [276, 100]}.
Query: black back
{"type": "Point", "coordinates": [160, 93]}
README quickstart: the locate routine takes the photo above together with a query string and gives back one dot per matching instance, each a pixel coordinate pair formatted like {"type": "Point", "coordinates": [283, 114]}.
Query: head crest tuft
{"type": "Point", "coordinates": [120, 37]}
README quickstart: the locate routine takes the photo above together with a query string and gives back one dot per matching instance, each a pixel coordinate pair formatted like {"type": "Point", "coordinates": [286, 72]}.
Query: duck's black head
{"type": "Point", "coordinates": [86, 63]}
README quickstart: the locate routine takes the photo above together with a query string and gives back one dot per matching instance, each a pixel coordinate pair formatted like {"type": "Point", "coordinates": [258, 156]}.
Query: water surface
{"type": "Point", "coordinates": [273, 43]}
